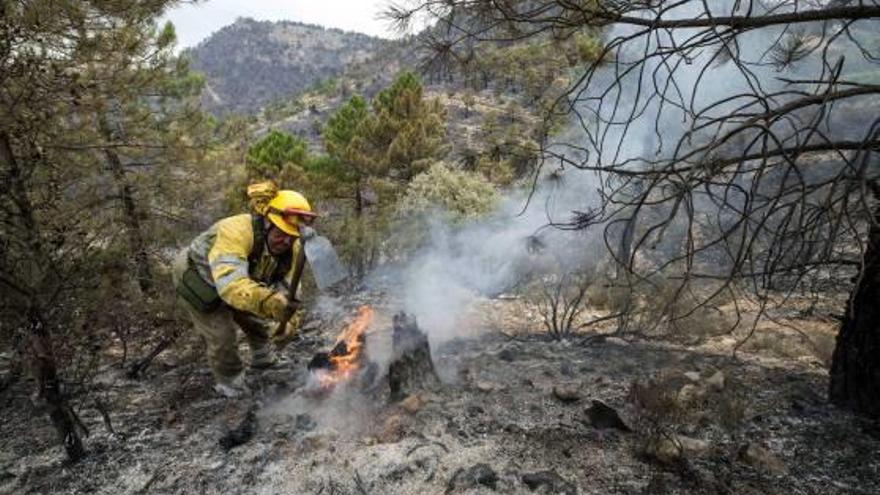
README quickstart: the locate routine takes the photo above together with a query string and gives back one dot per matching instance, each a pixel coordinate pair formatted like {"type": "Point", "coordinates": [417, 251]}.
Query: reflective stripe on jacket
{"type": "Point", "coordinates": [220, 255]}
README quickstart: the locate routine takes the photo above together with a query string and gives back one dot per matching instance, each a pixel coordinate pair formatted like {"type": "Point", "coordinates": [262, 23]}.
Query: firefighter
{"type": "Point", "coordinates": [236, 275]}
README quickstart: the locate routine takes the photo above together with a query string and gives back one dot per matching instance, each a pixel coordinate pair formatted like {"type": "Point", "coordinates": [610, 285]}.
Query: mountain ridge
{"type": "Point", "coordinates": [250, 63]}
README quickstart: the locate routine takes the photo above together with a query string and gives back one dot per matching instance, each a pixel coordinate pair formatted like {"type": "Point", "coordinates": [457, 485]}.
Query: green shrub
{"type": "Point", "coordinates": [458, 194]}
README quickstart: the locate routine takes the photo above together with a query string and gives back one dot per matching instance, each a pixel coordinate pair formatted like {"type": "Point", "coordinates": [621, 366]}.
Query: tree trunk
{"type": "Point", "coordinates": [136, 240]}
{"type": "Point", "coordinates": [62, 416]}
{"type": "Point", "coordinates": [40, 347]}
{"type": "Point", "coordinates": [358, 255]}
{"type": "Point", "coordinates": [855, 368]}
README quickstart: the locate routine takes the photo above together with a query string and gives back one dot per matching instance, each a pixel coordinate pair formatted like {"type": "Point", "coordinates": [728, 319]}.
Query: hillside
{"type": "Point", "coordinates": [513, 415]}
{"type": "Point", "coordinates": [304, 112]}
{"type": "Point", "coordinates": [251, 63]}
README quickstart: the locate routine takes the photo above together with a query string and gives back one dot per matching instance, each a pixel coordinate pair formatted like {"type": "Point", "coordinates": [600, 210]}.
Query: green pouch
{"type": "Point", "coordinates": [199, 294]}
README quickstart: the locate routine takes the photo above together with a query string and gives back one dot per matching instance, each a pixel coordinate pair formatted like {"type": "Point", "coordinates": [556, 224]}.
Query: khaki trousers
{"type": "Point", "coordinates": [218, 328]}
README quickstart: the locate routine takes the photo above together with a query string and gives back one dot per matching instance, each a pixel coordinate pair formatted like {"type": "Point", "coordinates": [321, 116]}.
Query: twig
{"type": "Point", "coordinates": [138, 367]}
{"type": "Point", "coordinates": [601, 319]}
{"type": "Point", "coordinates": [117, 329]}
{"type": "Point", "coordinates": [427, 444]}
{"type": "Point", "coordinates": [102, 408]}
{"type": "Point", "coordinates": [153, 478]}
{"type": "Point", "coordinates": [359, 483]}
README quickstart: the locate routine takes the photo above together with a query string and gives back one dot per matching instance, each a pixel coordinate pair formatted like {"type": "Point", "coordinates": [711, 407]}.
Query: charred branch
{"type": "Point", "coordinates": [137, 369]}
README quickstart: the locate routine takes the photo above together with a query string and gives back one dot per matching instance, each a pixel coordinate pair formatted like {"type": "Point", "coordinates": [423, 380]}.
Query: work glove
{"type": "Point", "coordinates": [288, 333]}
{"type": "Point", "coordinates": [278, 306]}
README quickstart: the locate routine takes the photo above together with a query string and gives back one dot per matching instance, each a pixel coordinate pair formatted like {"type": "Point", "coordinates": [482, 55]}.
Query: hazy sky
{"type": "Point", "coordinates": [196, 22]}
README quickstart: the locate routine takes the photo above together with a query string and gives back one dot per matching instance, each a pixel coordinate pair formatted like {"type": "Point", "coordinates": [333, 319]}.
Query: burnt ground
{"type": "Point", "coordinates": [510, 417]}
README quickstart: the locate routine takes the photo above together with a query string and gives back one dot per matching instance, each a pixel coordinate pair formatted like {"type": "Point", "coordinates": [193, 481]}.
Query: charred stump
{"type": "Point", "coordinates": [411, 367]}
{"type": "Point", "coordinates": [365, 376]}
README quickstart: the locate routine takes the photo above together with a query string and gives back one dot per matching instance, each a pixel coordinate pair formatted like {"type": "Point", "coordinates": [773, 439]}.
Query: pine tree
{"type": "Point", "coordinates": [92, 105]}
{"type": "Point", "coordinates": [377, 150]}
{"type": "Point", "coordinates": [267, 158]}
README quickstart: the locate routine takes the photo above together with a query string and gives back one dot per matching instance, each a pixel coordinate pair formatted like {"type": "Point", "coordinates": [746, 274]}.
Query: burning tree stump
{"type": "Point", "coordinates": [331, 360]}
{"type": "Point", "coordinates": [346, 363]}
{"type": "Point", "coordinates": [411, 368]}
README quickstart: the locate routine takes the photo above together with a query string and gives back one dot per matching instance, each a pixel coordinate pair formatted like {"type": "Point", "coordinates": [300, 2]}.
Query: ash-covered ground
{"type": "Point", "coordinates": [515, 414]}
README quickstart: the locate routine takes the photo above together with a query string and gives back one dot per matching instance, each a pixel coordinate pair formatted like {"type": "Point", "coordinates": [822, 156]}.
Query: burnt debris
{"type": "Point", "coordinates": [324, 359]}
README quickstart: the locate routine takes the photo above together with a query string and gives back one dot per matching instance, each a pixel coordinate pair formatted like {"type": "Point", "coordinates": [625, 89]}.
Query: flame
{"type": "Point", "coordinates": [345, 356]}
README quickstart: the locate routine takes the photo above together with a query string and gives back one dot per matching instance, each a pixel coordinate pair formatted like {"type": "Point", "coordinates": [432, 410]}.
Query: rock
{"type": "Point", "coordinates": [513, 429]}
{"type": "Point", "coordinates": [617, 341]}
{"type": "Point", "coordinates": [716, 381]}
{"type": "Point", "coordinates": [304, 422]}
{"type": "Point", "coordinates": [474, 411]}
{"type": "Point", "coordinates": [760, 458]}
{"type": "Point", "coordinates": [693, 447]}
{"type": "Point", "coordinates": [663, 449]}
{"type": "Point", "coordinates": [670, 449]}
{"type": "Point", "coordinates": [412, 404]}
{"type": "Point", "coordinates": [397, 472]}
{"type": "Point", "coordinates": [314, 442]}
{"type": "Point", "coordinates": [171, 417]}
{"type": "Point", "coordinates": [603, 416]}
{"type": "Point", "coordinates": [566, 369]}
{"type": "Point", "coordinates": [484, 386]}
{"type": "Point", "coordinates": [472, 477]}
{"type": "Point", "coordinates": [241, 432]}
{"type": "Point", "coordinates": [567, 393]}
{"type": "Point", "coordinates": [393, 429]}
{"type": "Point", "coordinates": [507, 355]}
{"type": "Point", "coordinates": [310, 325]}
{"type": "Point", "coordinates": [549, 482]}
{"type": "Point", "coordinates": [693, 376]}
{"type": "Point", "coordinates": [689, 393]}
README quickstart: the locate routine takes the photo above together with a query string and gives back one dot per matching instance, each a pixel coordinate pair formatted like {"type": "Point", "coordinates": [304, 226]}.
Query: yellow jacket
{"type": "Point", "coordinates": [220, 255]}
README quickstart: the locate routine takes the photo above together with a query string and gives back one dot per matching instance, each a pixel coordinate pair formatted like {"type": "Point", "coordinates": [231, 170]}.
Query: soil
{"type": "Point", "coordinates": [511, 416]}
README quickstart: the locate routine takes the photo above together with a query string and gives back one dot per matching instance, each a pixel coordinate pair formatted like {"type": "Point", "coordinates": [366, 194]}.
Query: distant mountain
{"type": "Point", "coordinates": [292, 77]}
{"type": "Point", "coordinates": [251, 63]}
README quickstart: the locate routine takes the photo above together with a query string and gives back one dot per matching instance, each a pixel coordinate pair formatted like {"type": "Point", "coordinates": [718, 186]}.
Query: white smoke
{"type": "Point", "coordinates": [462, 264]}
{"type": "Point", "coordinates": [490, 256]}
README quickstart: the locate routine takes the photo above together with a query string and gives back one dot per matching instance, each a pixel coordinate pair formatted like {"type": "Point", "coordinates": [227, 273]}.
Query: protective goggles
{"type": "Point", "coordinates": [301, 216]}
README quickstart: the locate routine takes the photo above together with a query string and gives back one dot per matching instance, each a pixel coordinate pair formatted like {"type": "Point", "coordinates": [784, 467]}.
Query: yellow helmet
{"type": "Point", "coordinates": [288, 209]}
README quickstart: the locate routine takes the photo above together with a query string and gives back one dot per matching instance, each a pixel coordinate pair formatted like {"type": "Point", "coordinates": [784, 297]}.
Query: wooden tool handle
{"type": "Point", "coordinates": [299, 265]}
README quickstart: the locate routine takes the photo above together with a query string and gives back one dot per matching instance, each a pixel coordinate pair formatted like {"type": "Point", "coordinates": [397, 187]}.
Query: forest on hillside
{"type": "Point", "coordinates": [250, 64]}
{"type": "Point", "coordinates": [588, 247]}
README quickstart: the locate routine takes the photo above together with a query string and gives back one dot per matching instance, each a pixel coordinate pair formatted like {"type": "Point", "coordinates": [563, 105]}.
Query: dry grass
{"type": "Point", "coordinates": [810, 340]}
{"type": "Point", "coordinates": [671, 401]}
{"type": "Point", "coordinates": [663, 308]}
{"type": "Point", "coordinates": [672, 408]}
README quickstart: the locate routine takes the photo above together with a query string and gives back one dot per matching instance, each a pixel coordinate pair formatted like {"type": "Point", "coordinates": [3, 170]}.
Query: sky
{"type": "Point", "coordinates": [195, 22]}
